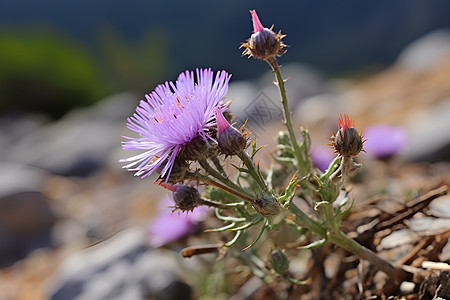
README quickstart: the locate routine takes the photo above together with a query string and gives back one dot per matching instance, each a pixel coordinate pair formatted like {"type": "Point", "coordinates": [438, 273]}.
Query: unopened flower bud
{"type": "Point", "coordinates": [347, 141]}
{"type": "Point", "coordinates": [267, 206]}
{"type": "Point", "coordinates": [230, 140]}
{"type": "Point", "coordinates": [279, 261]}
{"type": "Point", "coordinates": [283, 138]}
{"type": "Point", "coordinates": [263, 43]}
{"type": "Point", "coordinates": [186, 197]}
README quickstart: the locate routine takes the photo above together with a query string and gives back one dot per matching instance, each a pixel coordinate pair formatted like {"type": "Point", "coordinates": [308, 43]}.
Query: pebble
{"type": "Point", "coordinates": [121, 267]}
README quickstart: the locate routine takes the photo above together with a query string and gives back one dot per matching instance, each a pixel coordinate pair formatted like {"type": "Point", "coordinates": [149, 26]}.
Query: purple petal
{"type": "Point", "coordinates": [170, 226]}
{"type": "Point", "coordinates": [385, 140]}
{"type": "Point", "coordinates": [321, 157]}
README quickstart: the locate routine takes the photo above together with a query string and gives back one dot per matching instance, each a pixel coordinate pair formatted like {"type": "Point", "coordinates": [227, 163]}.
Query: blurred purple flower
{"type": "Point", "coordinates": [172, 116]}
{"type": "Point", "coordinates": [385, 140]}
{"type": "Point", "coordinates": [321, 157]}
{"type": "Point", "coordinates": [170, 226]}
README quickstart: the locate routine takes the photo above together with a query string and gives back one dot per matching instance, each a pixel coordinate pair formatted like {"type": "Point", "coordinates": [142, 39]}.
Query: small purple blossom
{"type": "Point", "coordinates": [171, 117]}
{"type": "Point", "coordinates": [321, 157]}
{"type": "Point", "coordinates": [385, 140]}
{"type": "Point", "coordinates": [170, 226]}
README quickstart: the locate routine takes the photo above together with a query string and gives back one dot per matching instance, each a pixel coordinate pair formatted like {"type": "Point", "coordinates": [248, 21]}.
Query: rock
{"type": "Point", "coordinates": [304, 82]}
{"type": "Point", "coordinates": [445, 253]}
{"type": "Point", "coordinates": [25, 225]}
{"type": "Point", "coordinates": [423, 53]}
{"type": "Point", "coordinates": [16, 177]}
{"type": "Point", "coordinates": [428, 134]}
{"type": "Point", "coordinates": [122, 267]}
{"type": "Point", "coordinates": [440, 207]}
{"type": "Point", "coordinates": [318, 109]}
{"type": "Point", "coordinates": [79, 143]}
{"type": "Point", "coordinates": [260, 102]}
{"type": "Point", "coordinates": [14, 126]}
{"type": "Point", "coordinates": [397, 238]}
{"type": "Point", "coordinates": [429, 226]}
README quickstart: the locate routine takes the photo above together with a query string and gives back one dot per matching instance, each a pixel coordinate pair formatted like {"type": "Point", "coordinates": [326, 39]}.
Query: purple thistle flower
{"type": "Point", "coordinates": [385, 140]}
{"type": "Point", "coordinates": [170, 226]}
{"type": "Point", "coordinates": [172, 116]}
{"type": "Point", "coordinates": [321, 157]}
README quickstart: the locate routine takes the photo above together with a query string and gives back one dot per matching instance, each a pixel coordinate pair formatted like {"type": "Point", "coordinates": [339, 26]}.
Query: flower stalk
{"type": "Point", "coordinates": [302, 163]}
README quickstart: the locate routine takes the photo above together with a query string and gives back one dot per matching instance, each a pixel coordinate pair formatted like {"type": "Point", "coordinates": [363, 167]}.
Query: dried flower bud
{"type": "Point", "coordinates": [230, 140]}
{"type": "Point", "coordinates": [279, 261]}
{"type": "Point", "coordinates": [267, 206]}
{"type": "Point", "coordinates": [186, 197]}
{"type": "Point", "coordinates": [264, 43]}
{"type": "Point", "coordinates": [347, 141]}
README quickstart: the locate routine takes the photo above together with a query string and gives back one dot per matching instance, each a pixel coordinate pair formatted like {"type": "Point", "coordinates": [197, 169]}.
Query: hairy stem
{"type": "Point", "coordinates": [243, 155]}
{"type": "Point", "coordinates": [225, 188]}
{"type": "Point", "coordinates": [362, 252]}
{"type": "Point", "coordinates": [302, 164]}
{"type": "Point", "coordinates": [226, 181]}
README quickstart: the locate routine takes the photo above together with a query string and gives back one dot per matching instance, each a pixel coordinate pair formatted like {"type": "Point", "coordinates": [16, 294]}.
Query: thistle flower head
{"type": "Point", "coordinates": [347, 141]}
{"type": "Point", "coordinates": [263, 43]}
{"type": "Point", "coordinates": [279, 261]}
{"type": "Point", "coordinates": [384, 141]}
{"type": "Point", "coordinates": [186, 197]}
{"type": "Point", "coordinates": [230, 140]}
{"type": "Point", "coordinates": [168, 226]}
{"type": "Point", "coordinates": [176, 118]}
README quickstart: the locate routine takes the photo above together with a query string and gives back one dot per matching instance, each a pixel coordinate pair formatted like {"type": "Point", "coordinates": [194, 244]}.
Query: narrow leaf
{"type": "Point", "coordinates": [224, 228]}
{"type": "Point", "coordinates": [236, 236]}
{"type": "Point", "coordinates": [263, 228]}
{"type": "Point", "coordinates": [314, 245]}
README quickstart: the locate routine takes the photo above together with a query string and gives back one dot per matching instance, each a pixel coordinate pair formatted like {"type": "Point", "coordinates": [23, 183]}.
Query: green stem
{"type": "Point", "coordinates": [243, 155]}
{"type": "Point", "coordinates": [336, 236]}
{"type": "Point", "coordinates": [303, 220]}
{"type": "Point", "coordinates": [301, 161]}
{"type": "Point", "coordinates": [230, 184]}
{"type": "Point", "coordinates": [241, 193]}
{"type": "Point", "coordinates": [218, 166]}
{"type": "Point", "coordinates": [362, 252]}
{"type": "Point", "coordinates": [332, 167]}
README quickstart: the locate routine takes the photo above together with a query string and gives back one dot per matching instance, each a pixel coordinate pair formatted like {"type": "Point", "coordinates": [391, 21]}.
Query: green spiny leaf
{"type": "Point", "coordinates": [314, 245]}
{"type": "Point", "coordinates": [289, 192]}
{"type": "Point", "coordinates": [263, 228]}
{"type": "Point", "coordinates": [228, 218]}
{"type": "Point", "coordinates": [248, 225]}
{"type": "Point", "coordinates": [224, 228]}
{"type": "Point", "coordinates": [342, 214]}
{"type": "Point", "coordinates": [236, 237]}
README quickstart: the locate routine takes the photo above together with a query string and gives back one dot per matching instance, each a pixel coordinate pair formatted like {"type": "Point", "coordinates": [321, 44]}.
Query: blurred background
{"type": "Point", "coordinates": [71, 72]}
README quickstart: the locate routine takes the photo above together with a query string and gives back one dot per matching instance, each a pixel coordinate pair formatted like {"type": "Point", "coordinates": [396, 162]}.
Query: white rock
{"type": "Point", "coordinates": [423, 53]}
